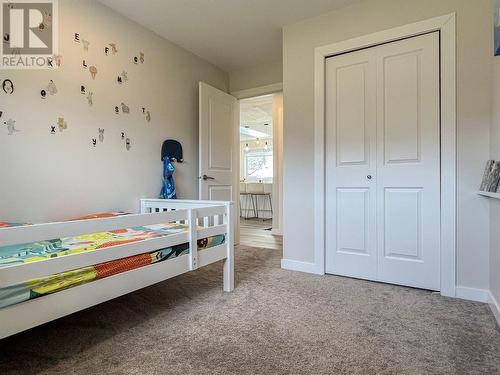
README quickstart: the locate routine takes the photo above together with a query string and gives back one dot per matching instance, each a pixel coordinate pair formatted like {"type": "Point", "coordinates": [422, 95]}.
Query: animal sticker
{"type": "Point", "coordinates": [93, 71]}
{"type": "Point", "coordinates": [147, 114]}
{"type": "Point", "coordinates": [51, 88]}
{"type": "Point", "coordinates": [11, 126]}
{"type": "Point", "coordinates": [125, 108]}
{"type": "Point", "coordinates": [90, 99]}
{"type": "Point", "coordinates": [57, 59]}
{"type": "Point", "coordinates": [85, 44]}
{"type": "Point", "coordinates": [62, 124]}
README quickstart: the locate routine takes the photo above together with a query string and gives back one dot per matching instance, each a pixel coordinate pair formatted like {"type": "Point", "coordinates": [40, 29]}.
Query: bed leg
{"type": "Point", "coordinates": [229, 261]}
{"type": "Point", "coordinates": [228, 275]}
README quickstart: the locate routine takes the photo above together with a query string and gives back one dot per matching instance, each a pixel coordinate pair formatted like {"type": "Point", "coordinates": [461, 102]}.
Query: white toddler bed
{"type": "Point", "coordinates": [203, 219]}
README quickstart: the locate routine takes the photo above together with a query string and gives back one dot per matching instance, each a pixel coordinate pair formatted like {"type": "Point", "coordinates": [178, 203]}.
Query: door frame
{"type": "Point", "coordinates": [446, 26]}
{"type": "Point", "coordinates": [277, 194]}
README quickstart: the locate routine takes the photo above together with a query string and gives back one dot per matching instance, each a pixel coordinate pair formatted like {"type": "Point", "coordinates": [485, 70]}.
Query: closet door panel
{"type": "Point", "coordinates": [408, 167]}
{"type": "Point", "coordinates": [351, 158]}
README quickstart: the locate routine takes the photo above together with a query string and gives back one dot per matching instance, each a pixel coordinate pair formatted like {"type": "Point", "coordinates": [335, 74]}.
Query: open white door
{"type": "Point", "coordinates": [219, 164]}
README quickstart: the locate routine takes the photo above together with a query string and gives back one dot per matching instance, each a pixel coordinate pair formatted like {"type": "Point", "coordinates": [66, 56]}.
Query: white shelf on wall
{"type": "Point", "coordinates": [489, 194]}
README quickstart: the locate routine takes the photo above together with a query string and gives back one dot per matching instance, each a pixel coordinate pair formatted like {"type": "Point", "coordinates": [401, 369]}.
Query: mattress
{"type": "Point", "coordinates": [31, 252]}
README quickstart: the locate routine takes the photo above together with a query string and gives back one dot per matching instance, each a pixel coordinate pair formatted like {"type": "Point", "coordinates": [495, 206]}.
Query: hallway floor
{"type": "Point", "coordinates": [257, 233]}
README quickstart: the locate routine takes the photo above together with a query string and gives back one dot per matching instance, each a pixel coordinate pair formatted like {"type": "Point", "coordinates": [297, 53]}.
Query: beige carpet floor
{"type": "Point", "coordinates": [275, 322]}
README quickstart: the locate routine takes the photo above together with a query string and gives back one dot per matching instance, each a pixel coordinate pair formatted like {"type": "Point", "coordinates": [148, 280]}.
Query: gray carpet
{"type": "Point", "coordinates": [275, 322]}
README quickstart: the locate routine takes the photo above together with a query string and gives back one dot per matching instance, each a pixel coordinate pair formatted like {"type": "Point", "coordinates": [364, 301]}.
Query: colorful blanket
{"type": "Point", "coordinates": [72, 245]}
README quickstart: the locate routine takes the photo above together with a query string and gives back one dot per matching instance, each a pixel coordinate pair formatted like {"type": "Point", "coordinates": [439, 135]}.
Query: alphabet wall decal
{"type": "Point", "coordinates": [8, 86]}
{"type": "Point", "coordinates": [122, 77]}
{"type": "Point", "coordinates": [101, 135]}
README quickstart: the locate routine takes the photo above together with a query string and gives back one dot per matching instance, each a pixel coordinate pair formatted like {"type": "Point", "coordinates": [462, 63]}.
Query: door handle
{"type": "Point", "coordinates": [205, 177]}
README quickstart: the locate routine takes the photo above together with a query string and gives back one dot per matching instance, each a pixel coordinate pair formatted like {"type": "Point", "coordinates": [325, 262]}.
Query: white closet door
{"type": "Point", "coordinates": [351, 159]}
{"type": "Point", "coordinates": [382, 165]}
{"type": "Point", "coordinates": [408, 168]}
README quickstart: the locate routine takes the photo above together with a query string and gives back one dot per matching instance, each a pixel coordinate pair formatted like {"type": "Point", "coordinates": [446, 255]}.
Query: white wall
{"type": "Point", "coordinates": [474, 46]}
{"type": "Point", "coordinates": [495, 203]}
{"type": "Point", "coordinates": [257, 76]}
{"type": "Point", "coordinates": [52, 177]}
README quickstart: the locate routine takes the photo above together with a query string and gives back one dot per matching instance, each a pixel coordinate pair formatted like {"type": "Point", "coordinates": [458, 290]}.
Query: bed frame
{"type": "Point", "coordinates": [204, 218]}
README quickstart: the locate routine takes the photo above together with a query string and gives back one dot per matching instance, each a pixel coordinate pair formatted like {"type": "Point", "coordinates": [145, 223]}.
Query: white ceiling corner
{"type": "Point", "coordinates": [231, 34]}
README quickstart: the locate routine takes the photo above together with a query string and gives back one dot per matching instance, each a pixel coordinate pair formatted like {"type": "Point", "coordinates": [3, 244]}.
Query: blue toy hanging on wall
{"type": "Point", "coordinates": [171, 151]}
{"type": "Point", "coordinates": [168, 185]}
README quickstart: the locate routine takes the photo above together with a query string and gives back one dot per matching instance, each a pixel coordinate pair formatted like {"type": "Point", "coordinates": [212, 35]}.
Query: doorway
{"type": "Point", "coordinates": [260, 150]}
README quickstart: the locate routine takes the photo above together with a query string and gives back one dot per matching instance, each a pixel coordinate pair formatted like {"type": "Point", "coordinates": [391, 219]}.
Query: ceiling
{"type": "Point", "coordinates": [257, 114]}
{"type": "Point", "coordinates": [231, 34]}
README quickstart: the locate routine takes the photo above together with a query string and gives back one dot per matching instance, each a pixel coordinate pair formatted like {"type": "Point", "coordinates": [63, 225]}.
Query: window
{"type": "Point", "coordinates": [259, 165]}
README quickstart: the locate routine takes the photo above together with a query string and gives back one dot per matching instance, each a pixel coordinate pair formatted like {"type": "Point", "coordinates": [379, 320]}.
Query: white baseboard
{"type": "Point", "coordinates": [495, 307]}
{"type": "Point", "coordinates": [473, 294]}
{"type": "Point", "coordinates": [295, 265]}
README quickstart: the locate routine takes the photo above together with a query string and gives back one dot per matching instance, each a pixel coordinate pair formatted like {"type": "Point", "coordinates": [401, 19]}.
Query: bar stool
{"type": "Point", "coordinates": [249, 203]}
{"type": "Point", "coordinates": [257, 190]}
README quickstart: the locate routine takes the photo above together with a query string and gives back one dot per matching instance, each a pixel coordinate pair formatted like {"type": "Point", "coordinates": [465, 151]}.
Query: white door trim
{"type": "Point", "coordinates": [258, 91]}
{"type": "Point", "coordinates": [446, 26]}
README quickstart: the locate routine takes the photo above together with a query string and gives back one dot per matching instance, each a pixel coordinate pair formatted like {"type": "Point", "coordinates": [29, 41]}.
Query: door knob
{"type": "Point", "coordinates": [205, 177]}
{"type": "Point", "coordinates": [369, 177]}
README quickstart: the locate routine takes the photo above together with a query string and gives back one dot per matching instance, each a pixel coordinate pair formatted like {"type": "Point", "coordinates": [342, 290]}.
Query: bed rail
{"type": "Point", "coordinates": [216, 215]}
{"type": "Point", "coordinates": [215, 218]}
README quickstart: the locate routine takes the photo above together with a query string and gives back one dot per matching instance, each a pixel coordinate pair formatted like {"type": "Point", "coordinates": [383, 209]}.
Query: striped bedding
{"type": "Point", "coordinates": [31, 252]}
